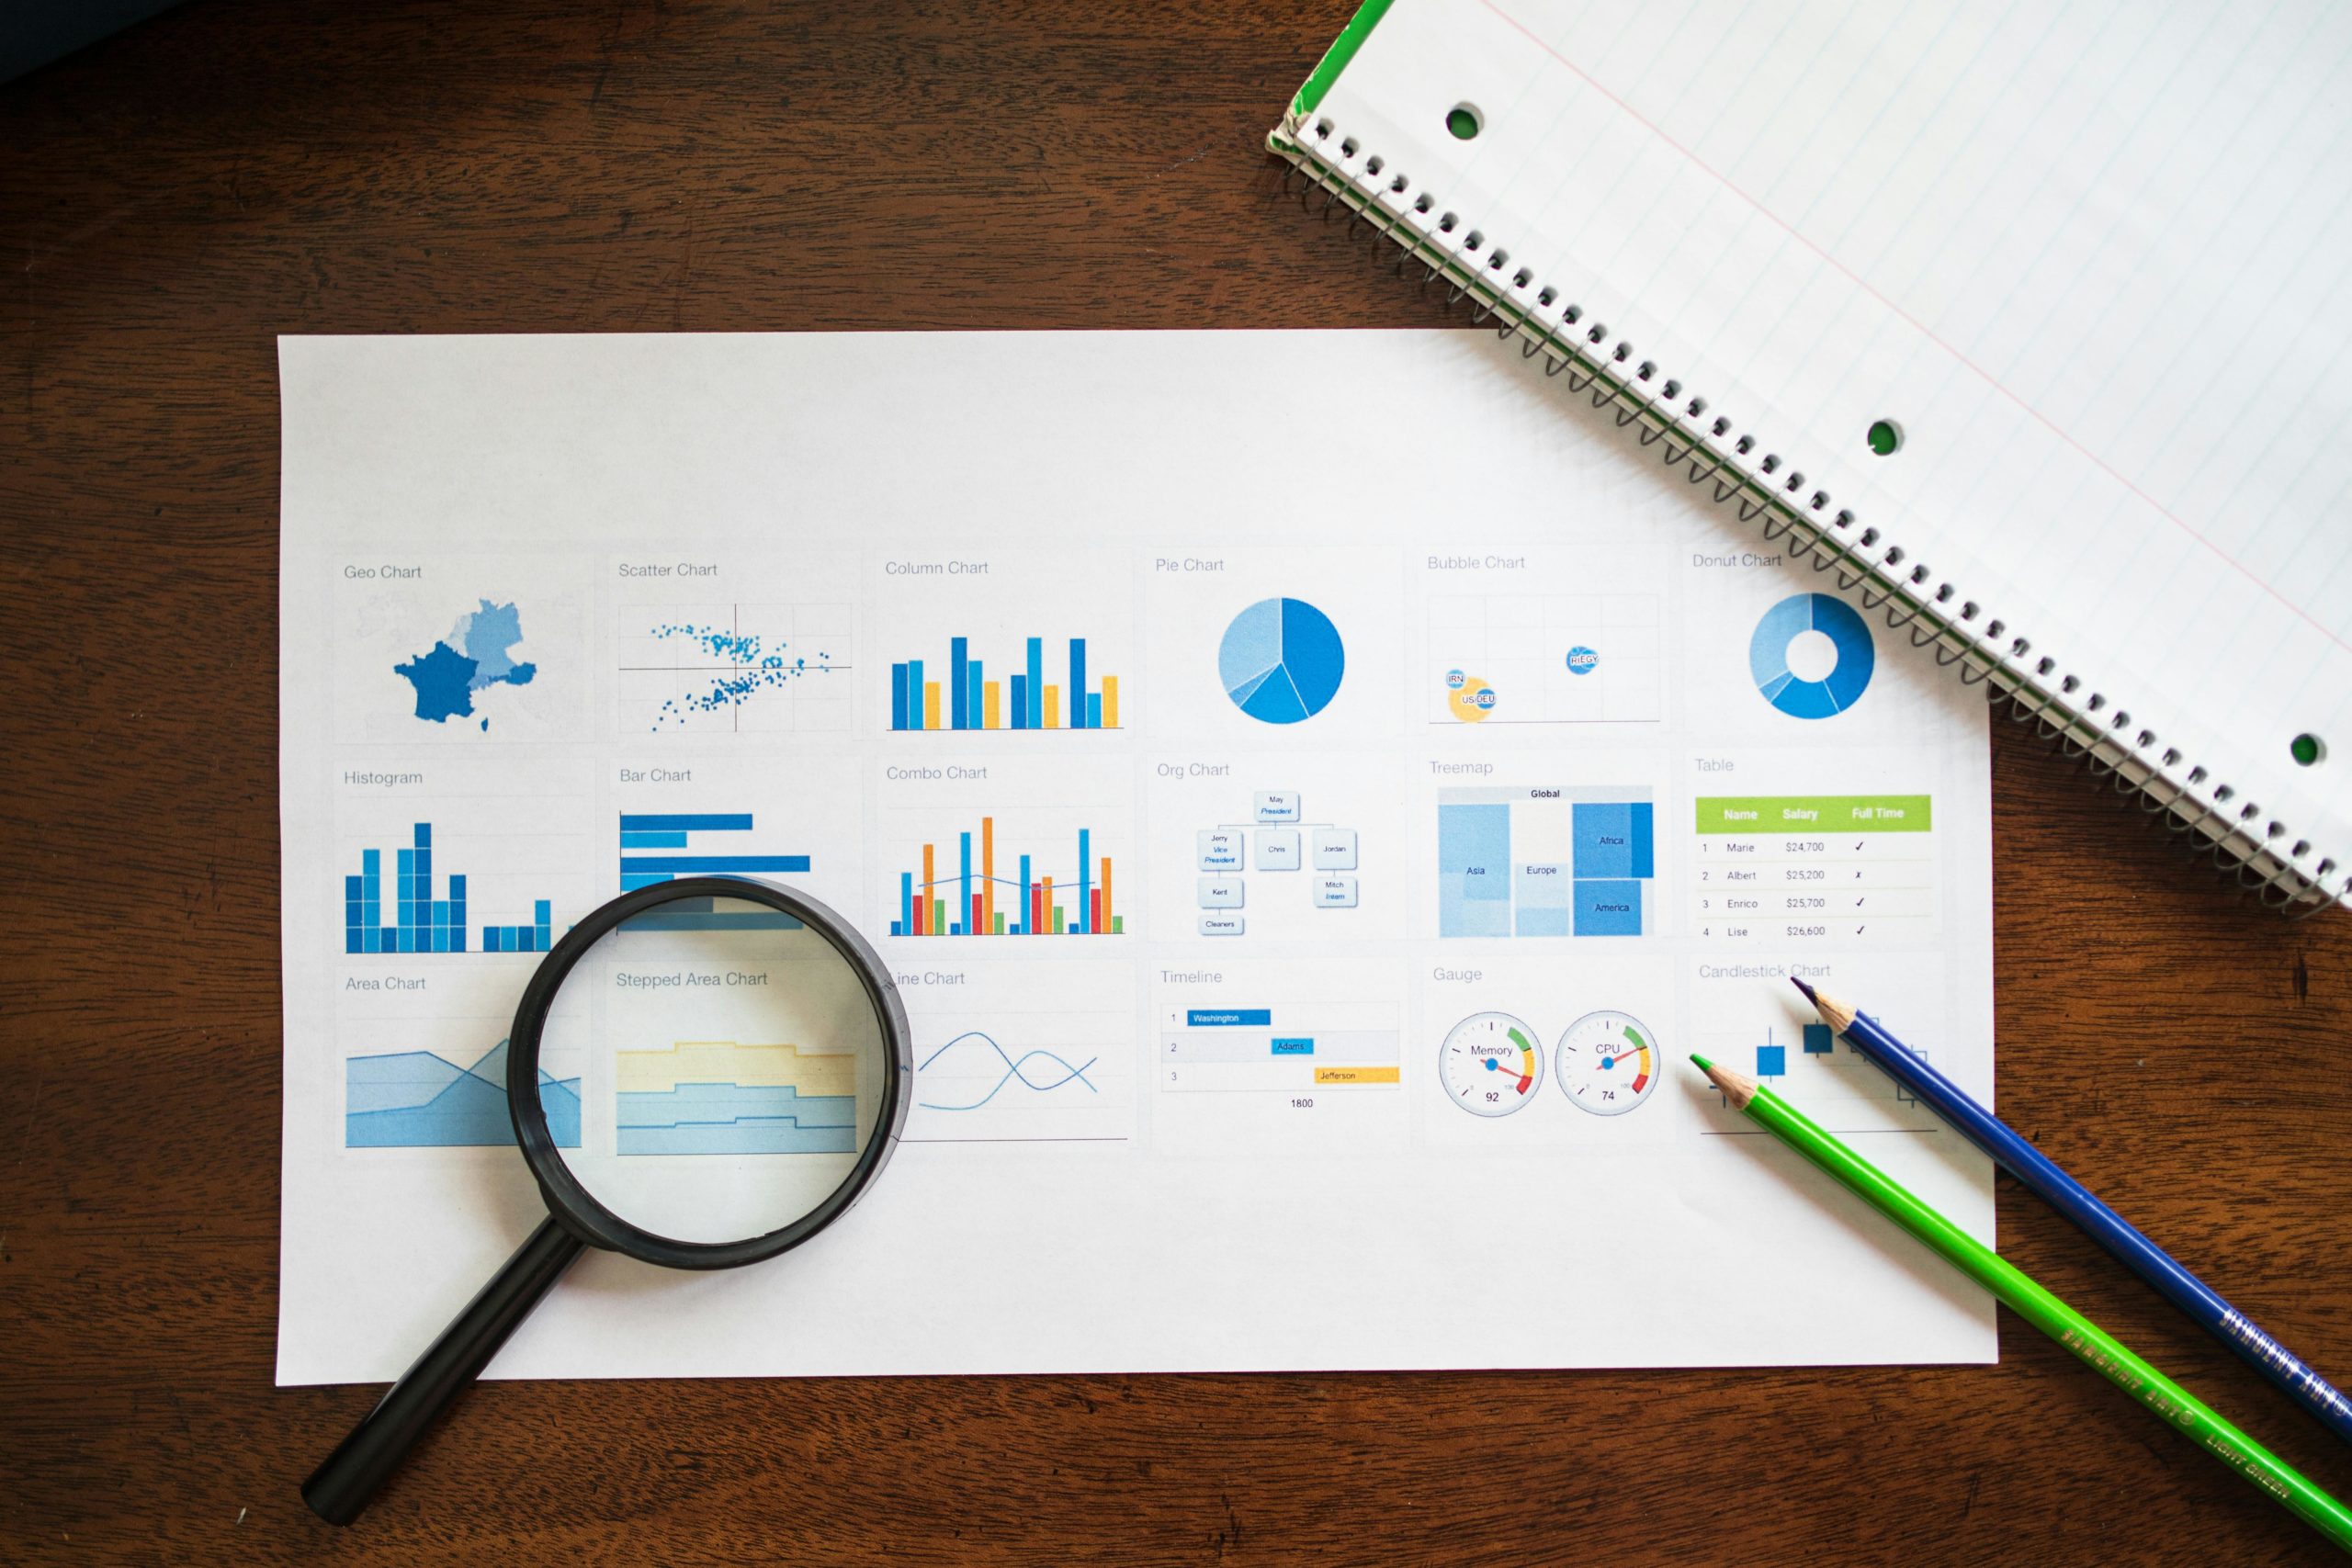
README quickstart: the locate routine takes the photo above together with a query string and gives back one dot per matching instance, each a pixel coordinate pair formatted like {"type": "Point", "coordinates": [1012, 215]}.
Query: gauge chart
{"type": "Point", "coordinates": [1281, 660]}
{"type": "Point", "coordinates": [1608, 1063]}
{"type": "Point", "coordinates": [1490, 1063]}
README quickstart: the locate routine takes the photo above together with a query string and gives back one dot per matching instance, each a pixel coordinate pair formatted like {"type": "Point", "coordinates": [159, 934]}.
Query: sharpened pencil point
{"type": "Point", "coordinates": [1800, 985]}
{"type": "Point", "coordinates": [1702, 1062]}
{"type": "Point", "coordinates": [1737, 1088]}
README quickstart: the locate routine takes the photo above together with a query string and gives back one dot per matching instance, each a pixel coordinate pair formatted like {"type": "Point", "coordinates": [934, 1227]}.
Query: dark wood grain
{"type": "Point", "coordinates": [172, 199]}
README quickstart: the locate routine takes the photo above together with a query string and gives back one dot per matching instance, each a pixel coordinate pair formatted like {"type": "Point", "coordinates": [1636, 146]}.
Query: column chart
{"type": "Point", "coordinates": [960, 694]}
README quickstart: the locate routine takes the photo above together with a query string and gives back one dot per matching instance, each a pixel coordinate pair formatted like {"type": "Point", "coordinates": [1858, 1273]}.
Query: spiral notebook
{"type": "Point", "coordinates": [2027, 324]}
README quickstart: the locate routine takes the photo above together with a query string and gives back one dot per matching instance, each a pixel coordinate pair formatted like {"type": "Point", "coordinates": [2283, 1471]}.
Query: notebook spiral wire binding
{"type": "Point", "coordinates": [2204, 812]}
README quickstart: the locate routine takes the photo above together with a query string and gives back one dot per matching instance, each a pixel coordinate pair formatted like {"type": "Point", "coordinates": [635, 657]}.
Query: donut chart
{"type": "Point", "coordinates": [1848, 635]}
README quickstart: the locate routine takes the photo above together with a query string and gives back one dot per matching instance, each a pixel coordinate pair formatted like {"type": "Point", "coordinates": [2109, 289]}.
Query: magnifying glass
{"type": "Point", "coordinates": [744, 1059]}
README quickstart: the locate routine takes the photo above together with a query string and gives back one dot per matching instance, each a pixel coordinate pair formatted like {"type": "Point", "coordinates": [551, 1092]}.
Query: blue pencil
{"type": "Point", "coordinates": [2101, 1223]}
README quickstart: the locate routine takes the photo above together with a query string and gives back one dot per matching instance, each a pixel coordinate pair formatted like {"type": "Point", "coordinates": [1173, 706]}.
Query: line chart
{"type": "Point", "coordinates": [1015, 1071]}
{"type": "Point", "coordinates": [987, 1073]}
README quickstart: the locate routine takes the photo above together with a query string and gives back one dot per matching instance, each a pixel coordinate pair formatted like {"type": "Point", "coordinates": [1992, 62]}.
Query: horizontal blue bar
{"type": "Point", "coordinates": [712, 866]}
{"type": "Point", "coordinates": [632, 880]}
{"type": "Point", "coordinates": [1294, 1046]}
{"type": "Point", "coordinates": [1228, 1018]}
{"type": "Point", "coordinates": [631, 840]}
{"type": "Point", "coordinates": [710, 920]}
{"type": "Point", "coordinates": [686, 822]}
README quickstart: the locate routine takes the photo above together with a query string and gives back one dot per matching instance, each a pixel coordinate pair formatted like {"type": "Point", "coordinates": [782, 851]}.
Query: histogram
{"type": "Point", "coordinates": [420, 922]}
{"type": "Point", "coordinates": [974, 899]}
{"type": "Point", "coordinates": [969, 698]}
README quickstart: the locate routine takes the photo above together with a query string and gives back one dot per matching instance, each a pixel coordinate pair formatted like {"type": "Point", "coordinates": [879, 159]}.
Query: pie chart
{"type": "Point", "coordinates": [1281, 660]}
{"type": "Point", "coordinates": [1812, 656]}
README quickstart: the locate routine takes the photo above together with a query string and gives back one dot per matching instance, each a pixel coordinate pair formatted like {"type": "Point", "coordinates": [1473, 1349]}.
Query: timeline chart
{"type": "Point", "coordinates": [1529, 659]}
{"type": "Point", "coordinates": [658, 847]}
{"type": "Point", "coordinates": [422, 923]}
{"type": "Point", "coordinates": [1280, 1051]}
{"type": "Point", "coordinates": [1842, 869]}
{"type": "Point", "coordinates": [973, 897]}
{"type": "Point", "coordinates": [719, 1097]}
{"type": "Point", "coordinates": [961, 695]}
{"type": "Point", "coordinates": [422, 1100]}
{"type": "Point", "coordinates": [1545, 861]}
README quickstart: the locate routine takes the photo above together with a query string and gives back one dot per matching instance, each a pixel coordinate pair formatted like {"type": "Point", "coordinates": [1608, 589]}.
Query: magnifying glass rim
{"type": "Point", "coordinates": [578, 1209]}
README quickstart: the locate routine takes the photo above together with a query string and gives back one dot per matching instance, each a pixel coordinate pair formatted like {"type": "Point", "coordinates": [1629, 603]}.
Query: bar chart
{"type": "Point", "coordinates": [1545, 861]}
{"type": "Point", "coordinates": [971, 890]}
{"type": "Point", "coordinates": [422, 923]}
{"type": "Point", "coordinates": [960, 694]}
{"type": "Point", "coordinates": [661, 846]}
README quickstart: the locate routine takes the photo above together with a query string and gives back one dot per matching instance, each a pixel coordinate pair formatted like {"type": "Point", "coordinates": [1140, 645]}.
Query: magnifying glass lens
{"type": "Point", "coordinates": [729, 1061]}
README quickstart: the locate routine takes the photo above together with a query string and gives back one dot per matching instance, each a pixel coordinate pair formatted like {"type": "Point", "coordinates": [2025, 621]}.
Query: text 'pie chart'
{"type": "Point", "coordinates": [1812, 656]}
{"type": "Point", "coordinates": [1281, 660]}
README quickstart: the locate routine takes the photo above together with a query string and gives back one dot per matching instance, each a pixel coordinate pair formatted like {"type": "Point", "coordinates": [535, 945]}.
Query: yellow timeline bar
{"type": "Point", "coordinates": [1355, 1075]}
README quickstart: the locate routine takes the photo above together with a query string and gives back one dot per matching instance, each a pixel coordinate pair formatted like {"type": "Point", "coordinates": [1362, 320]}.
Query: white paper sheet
{"type": "Point", "coordinates": [1366, 879]}
{"type": "Point", "coordinates": [2088, 258]}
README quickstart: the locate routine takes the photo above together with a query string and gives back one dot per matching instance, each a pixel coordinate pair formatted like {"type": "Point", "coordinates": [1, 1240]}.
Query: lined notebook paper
{"type": "Point", "coordinates": [2087, 263]}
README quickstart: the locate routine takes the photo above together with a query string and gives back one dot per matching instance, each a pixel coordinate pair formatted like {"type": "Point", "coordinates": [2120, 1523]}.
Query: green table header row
{"type": "Point", "coordinates": [1815, 814]}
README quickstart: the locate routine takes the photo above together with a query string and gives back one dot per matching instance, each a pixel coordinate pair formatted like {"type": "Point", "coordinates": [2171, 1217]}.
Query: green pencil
{"type": "Point", "coordinates": [2017, 1291]}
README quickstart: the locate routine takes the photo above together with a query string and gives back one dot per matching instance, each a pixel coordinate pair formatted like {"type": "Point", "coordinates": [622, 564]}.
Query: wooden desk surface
{"type": "Point", "coordinates": [173, 199]}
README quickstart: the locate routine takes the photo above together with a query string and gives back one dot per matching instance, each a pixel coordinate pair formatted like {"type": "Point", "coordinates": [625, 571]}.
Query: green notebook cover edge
{"type": "Point", "coordinates": [1327, 69]}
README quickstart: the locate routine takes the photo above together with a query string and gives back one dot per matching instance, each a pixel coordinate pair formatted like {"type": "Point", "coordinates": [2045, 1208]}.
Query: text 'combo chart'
{"type": "Point", "coordinates": [969, 854]}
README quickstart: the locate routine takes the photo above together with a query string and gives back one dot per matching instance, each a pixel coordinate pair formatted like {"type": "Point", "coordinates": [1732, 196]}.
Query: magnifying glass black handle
{"type": "Point", "coordinates": [340, 1488]}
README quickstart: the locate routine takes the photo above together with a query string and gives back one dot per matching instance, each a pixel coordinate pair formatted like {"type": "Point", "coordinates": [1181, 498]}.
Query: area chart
{"type": "Point", "coordinates": [717, 1097]}
{"type": "Point", "coordinates": [418, 1099]}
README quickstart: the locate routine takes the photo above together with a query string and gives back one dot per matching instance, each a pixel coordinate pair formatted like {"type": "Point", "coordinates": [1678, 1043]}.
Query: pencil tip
{"type": "Point", "coordinates": [1702, 1062]}
{"type": "Point", "coordinates": [1800, 985]}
